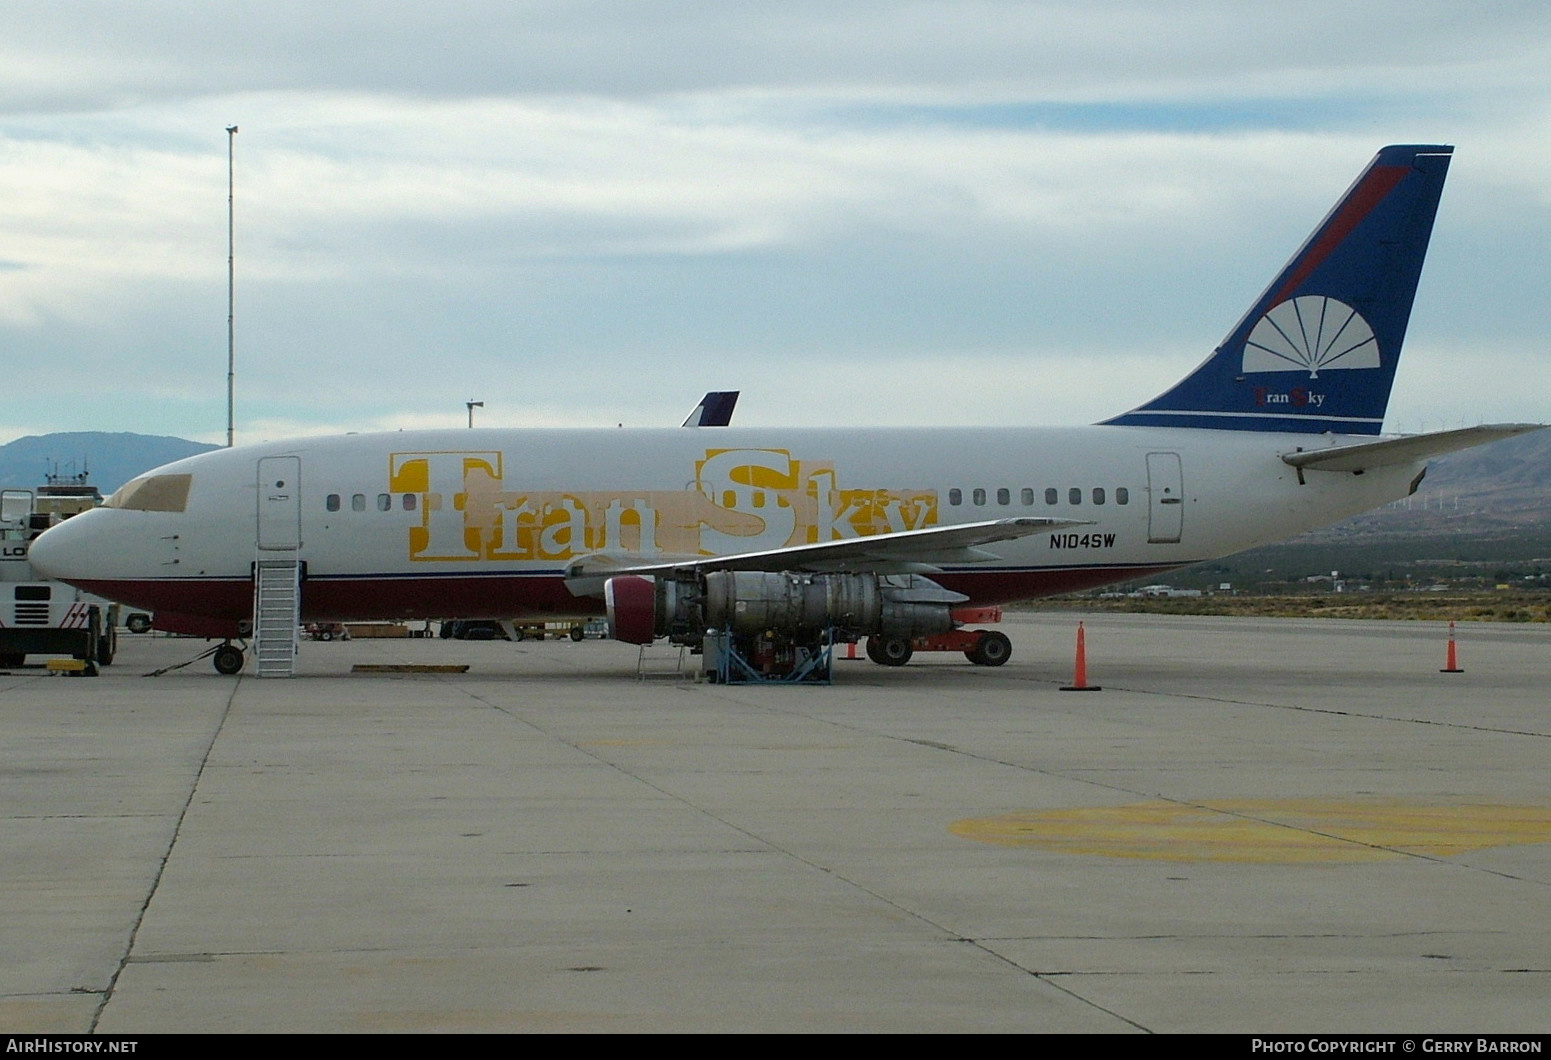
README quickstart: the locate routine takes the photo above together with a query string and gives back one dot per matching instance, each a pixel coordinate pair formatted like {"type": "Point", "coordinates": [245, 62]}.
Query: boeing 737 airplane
{"type": "Point", "coordinates": [785, 540]}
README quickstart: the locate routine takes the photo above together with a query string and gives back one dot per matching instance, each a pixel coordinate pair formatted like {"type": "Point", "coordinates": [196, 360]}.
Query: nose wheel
{"type": "Point", "coordinates": [228, 659]}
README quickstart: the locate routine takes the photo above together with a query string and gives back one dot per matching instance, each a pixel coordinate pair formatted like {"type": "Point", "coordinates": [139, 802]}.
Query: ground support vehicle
{"type": "Point", "coordinates": [46, 618]}
{"type": "Point", "coordinates": [40, 617]}
{"type": "Point", "coordinates": [327, 631]}
{"type": "Point", "coordinates": [983, 647]}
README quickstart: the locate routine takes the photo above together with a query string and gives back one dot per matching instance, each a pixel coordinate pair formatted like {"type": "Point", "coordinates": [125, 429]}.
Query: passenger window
{"type": "Point", "coordinates": [1051, 496]}
{"type": "Point", "coordinates": [384, 502]}
{"type": "Point", "coordinates": [1074, 495]}
{"type": "Point", "coordinates": [332, 503]}
{"type": "Point", "coordinates": [1098, 495]}
{"type": "Point", "coordinates": [980, 497]}
{"type": "Point", "coordinates": [1028, 496]}
{"type": "Point", "coordinates": [1003, 496]}
{"type": "Point", "coordinates": [409, 502]}
{"type": "Point", "coordinates": [955, 497]}
{"type": "Point", "coordinates": [1122, 495]}
{"type": "Point", "coordinates": [358, 502]}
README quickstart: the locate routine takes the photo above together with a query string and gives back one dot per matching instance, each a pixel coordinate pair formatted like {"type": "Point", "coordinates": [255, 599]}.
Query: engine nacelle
{"type": "Point", "coordinates": [632, 608]}
{"type": "Point", "coordinates": [795, 605]}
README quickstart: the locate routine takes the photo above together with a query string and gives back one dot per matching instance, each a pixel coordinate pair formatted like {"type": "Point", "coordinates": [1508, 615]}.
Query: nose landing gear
{"type": "Point", "coordinates": [228, 659]}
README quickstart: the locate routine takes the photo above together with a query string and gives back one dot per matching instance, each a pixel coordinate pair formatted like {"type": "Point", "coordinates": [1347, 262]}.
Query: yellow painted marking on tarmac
{"type": "Point", "coordinates": [1267, 831]}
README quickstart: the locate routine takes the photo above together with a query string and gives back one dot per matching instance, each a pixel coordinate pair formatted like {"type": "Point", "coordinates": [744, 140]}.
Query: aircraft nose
{"type": "Point", "coordinates": [61, 552]}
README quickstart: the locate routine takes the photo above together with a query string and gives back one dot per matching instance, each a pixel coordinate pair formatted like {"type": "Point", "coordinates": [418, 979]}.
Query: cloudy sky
{"type": "Point", "coordinates": [587, 213]}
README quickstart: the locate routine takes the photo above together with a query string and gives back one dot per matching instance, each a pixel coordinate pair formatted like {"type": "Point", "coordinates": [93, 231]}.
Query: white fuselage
{"type": "Point", "coordinates": [483, 523]}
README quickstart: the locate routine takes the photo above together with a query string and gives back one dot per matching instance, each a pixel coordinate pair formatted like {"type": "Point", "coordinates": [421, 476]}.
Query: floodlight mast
{"type": "Point", "coordinates": [231, 285]}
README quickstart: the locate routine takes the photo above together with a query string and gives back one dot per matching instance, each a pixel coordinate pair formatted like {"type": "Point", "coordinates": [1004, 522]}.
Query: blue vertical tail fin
{"type": "Point", "coordinates": [1317, 352]}
{"type": "Point", "coordinates": [714, 410]}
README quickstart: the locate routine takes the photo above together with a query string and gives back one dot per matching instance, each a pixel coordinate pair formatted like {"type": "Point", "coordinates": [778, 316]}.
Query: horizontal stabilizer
{"type": "Point", "coordinates": [1408, 450]}
{"type": "Point", "coordinates": [934, 544]}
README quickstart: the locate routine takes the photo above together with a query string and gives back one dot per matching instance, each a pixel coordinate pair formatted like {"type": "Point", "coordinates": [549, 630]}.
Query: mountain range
{"type": "Point", "coordinates": [110, 459]}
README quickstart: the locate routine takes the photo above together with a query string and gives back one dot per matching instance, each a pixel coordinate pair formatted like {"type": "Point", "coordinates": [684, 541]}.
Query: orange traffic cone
{"type": "Point", "coordinates": [1080, 678]}
{"type": "Point", "coordinates": [1453, 667]}
{"type": "Point", "coordinates": [851, 649]}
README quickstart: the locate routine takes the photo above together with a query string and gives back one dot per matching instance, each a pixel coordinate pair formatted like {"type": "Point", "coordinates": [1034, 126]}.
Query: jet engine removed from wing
{"type": "Point", "coordinates": [798, 607]}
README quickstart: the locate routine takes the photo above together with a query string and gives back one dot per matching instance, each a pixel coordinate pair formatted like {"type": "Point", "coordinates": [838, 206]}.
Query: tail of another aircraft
{"type": "Point", "coordinates": [1318, 350]}
{"type": "Point", "coordinates": [714, 410]}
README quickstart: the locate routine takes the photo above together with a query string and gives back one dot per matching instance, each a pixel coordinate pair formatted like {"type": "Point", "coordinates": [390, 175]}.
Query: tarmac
{"type": "Point", "coordinates": [1257, 826]}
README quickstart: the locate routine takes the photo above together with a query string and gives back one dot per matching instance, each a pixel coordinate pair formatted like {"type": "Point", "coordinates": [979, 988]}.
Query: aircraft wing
{"type": "Point", "coordinates": [905, 550]}
{"type": "Point", "coordinates": [1360, 457]}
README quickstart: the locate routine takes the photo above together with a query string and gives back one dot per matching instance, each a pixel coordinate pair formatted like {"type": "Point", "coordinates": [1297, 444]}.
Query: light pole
{"type": "Point", "coordinates": [231, 285]}
{"type": "Point", "coordinates": [472, 406]}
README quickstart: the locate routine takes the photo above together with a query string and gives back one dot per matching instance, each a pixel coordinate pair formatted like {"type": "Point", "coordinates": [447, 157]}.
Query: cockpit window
{"type": "Point", "coordinates": [153, 493]}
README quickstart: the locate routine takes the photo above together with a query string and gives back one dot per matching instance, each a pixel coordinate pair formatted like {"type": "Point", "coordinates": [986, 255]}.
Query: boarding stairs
{"type": "Point", "coordinates": [277, 608]}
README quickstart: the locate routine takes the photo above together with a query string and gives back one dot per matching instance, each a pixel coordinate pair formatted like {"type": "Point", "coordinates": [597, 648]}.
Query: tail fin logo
{"type": "Point", "coordinates": [1310, 333]}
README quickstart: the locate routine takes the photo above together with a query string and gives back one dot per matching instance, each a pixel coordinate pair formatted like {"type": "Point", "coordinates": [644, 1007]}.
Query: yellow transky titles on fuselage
{"type": "Point", "coordinates": [737, 500]}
